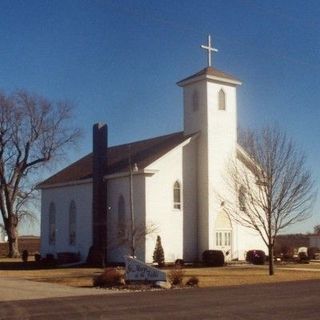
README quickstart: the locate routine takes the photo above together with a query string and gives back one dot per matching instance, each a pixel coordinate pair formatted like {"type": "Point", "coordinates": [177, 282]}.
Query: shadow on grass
{"type": "Point", "coordinates": [36, 265]}
{"type": "Point", "coordinates": [30, 265]}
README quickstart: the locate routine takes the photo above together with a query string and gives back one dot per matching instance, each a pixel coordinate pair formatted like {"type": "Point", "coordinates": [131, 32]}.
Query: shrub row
{"type": "Point", "coordinates": [50, 259]}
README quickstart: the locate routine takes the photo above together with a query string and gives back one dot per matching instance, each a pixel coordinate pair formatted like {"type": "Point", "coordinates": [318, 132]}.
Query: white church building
{"type": "Point", "coordinates": [170, 182]}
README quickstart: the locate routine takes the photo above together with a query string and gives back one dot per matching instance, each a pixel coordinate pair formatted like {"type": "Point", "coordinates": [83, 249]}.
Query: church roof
{"type": "Point", "coordinates": [210, 73]}
{"type": "Point", "coordinates": [143, 153]}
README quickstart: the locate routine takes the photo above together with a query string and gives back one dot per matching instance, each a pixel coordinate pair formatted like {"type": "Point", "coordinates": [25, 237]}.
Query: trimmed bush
{"type": "Point", "coordinates": [49, 260]}
{"type": "Point", "coordinates": [25, 255]}
{"type": "Point", "coordinates": [256, 257]}
{"type": "Point", "coordinates": [37, 257]}
{"type": "Point", "coordinates": [111, 277]}
{"type": "Point", "coordinates": [68, 257]}
{"type": "Point", "coordinates": [303, 257]}
{"type": "Point", "coordinates": [192, 282]}
{"type": "Point", "coordinates": [213, 258]}
{"type": "Point", "coordinates": [312, 251]}
{"type": "Point", "coordinates": [158, 253]}
{"type": "Point", "coordinates": [179, 263]}
{"type": "Point", "coordinates": [175, 276]}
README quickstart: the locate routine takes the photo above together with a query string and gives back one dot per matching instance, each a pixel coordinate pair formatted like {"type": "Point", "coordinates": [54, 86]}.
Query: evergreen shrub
{"type": "Point", "coordinates": [158, 253]}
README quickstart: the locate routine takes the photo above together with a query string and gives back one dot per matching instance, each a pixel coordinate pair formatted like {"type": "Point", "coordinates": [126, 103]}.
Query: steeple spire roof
{"type": "Point", "coordinates": [211, 74]}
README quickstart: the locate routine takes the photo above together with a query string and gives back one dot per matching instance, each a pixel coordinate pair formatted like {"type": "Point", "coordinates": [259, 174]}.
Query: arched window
{"type": "Point", "coordinates": [72, 223]}
{"type": "Point", "coordinates": [121, 216]}
{"type": "Point", "coordinates": [52, 224]}
{"type": "Point", "coordinates": [222, 100]}
{"type": "Point", "coordinates": [195, 101]}
{"type": "Point", "coordinates": [177, 195]}
{"type": "Point", "coordinates": [242, 198]}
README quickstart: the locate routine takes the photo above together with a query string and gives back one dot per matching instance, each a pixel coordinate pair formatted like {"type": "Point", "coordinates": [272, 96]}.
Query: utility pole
{"type": "Point", "coordinates": [132, 235]}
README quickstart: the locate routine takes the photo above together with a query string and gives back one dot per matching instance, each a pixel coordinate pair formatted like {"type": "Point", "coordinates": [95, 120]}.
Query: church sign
{"type": "Point", "coordinates": [136, 270]}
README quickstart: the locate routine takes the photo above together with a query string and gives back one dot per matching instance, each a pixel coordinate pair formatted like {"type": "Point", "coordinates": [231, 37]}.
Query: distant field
{"type": "Point", "coordinates": [209, 277]}
{"type": "Point", "coordinates": [30, 243]}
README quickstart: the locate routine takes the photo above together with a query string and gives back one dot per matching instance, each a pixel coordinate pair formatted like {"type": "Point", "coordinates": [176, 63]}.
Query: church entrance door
{"type": "Point", "coordinates": [223, 235]}
{"type": "Point", "coordinates": [223, 243]}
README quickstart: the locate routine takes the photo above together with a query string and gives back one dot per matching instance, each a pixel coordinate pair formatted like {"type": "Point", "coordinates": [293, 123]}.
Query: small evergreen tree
{"type": "Point", "coordinates": [158, 254]}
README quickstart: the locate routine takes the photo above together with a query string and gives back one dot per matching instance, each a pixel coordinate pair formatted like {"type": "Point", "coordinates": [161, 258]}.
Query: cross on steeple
{"type": "Point", "coordinates": [210, 49]}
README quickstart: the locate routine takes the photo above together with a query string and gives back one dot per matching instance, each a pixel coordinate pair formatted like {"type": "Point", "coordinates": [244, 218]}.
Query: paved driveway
{"type": "Point", "coordinates": [283, 301]}
{"type": "Point", "coordinates": [13, 289]}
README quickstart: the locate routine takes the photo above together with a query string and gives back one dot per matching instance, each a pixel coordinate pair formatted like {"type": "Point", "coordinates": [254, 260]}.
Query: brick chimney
{"type": "Point", "coordinates": [98, 252]}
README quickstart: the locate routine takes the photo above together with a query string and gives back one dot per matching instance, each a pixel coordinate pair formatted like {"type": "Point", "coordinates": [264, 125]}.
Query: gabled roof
{"type": "Point", "coordinates": [211, 74]}
{"type": "Point", "coordinates": [142, 152]}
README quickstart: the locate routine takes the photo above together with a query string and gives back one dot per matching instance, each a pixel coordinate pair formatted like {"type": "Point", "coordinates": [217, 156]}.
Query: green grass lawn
{"type": "Point", "coordinates": [232, 275]}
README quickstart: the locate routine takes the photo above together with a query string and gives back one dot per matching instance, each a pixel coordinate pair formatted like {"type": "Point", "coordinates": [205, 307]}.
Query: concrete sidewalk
{"type": "Point", "coordinates": [300, 269]}
{"type": "Point", "coordinates": [17, 289]}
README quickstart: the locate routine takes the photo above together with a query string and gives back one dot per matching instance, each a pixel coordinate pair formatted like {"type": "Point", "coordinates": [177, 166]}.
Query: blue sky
{"type": "Point", "coordinates": [118, 62]}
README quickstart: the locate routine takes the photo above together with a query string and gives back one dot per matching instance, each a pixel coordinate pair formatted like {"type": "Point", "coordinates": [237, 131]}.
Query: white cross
{"type": "Point", "coordinates": [210, 49]}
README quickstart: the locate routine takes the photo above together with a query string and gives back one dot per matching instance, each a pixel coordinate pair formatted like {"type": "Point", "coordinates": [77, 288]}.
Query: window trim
{"type": "Point", "coordinates": [52, 224]}
{"type": "Point", "coordinates": [224, 238]}
{"type": "Point", "coordinates": [177, 203]}
{"type": "Point", "coordinates": [195, 101]}
{"type": "Point", "coordinates": [72, 224]}
{"type": "Point", "coordinates": [242, 199]}
{"type": "Point", "coordinates": [222, 100]}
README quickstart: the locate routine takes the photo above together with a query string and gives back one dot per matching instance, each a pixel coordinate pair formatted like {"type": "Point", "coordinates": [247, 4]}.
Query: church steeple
{"type": "Point", "coordinates": [206, 85]}
{"type": "Point", "coordinates": [210, 109]}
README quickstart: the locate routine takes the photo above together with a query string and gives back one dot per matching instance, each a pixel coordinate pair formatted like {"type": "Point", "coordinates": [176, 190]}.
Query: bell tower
{"type": "Point", "coordinates": [210, 109]}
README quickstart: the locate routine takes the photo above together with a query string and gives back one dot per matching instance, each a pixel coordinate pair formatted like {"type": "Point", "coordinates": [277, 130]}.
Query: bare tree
{"type": "Point", "coordinates": [133, 238]}
{"type": "Point", "coordinates": [316, 229]}
{"type": "Point", "coordinates": [273, 187]}
{"type": "Point", "coordinates": [2, 232]}
{"type": "Point", "coordinates": [33, 132]}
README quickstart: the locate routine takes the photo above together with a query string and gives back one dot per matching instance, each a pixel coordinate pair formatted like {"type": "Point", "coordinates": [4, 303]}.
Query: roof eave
{"type": "Point", "coordinates": [146, 172]}
{"type": "Point", "coordinates": [63, 184]}
{"type": "Point", "coordinates": [210, 78]}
